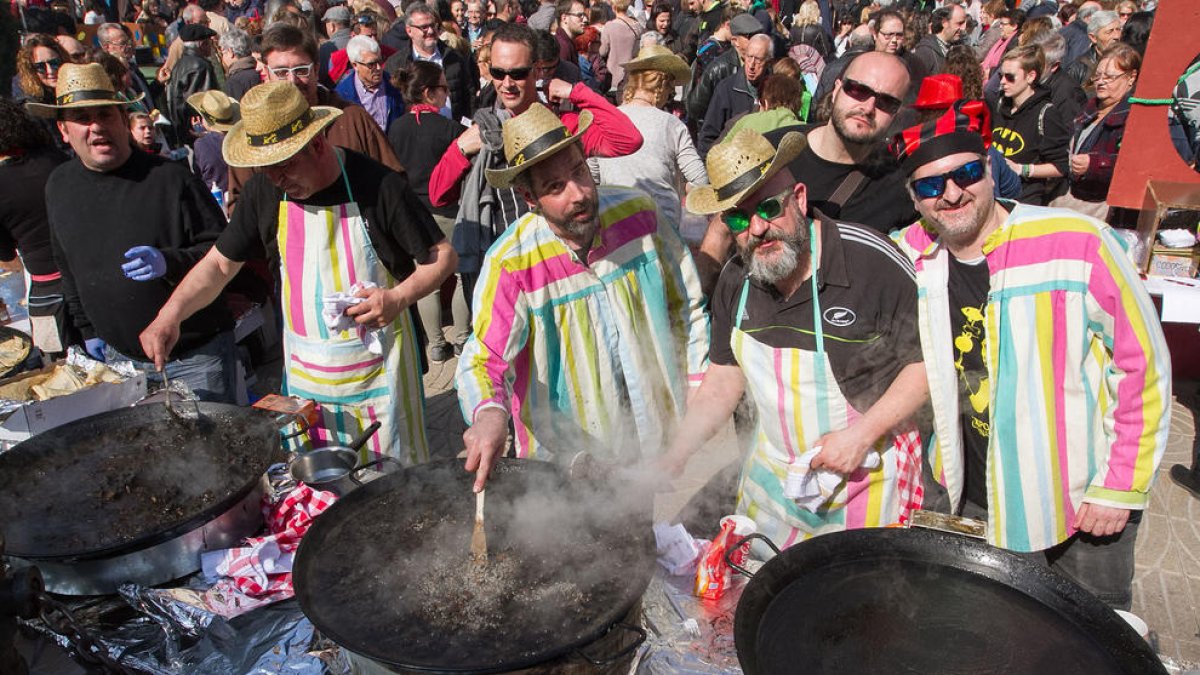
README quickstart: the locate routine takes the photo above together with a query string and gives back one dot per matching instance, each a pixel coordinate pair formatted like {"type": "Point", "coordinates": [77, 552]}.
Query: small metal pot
{"type": "Point", "coordinates": [334, 468]}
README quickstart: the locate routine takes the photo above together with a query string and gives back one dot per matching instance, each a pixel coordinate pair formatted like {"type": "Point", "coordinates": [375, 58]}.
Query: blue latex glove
{"type": "Point", "coordinates": [95, 348]}
{"type": "Point", "coordinates": [145, 263]}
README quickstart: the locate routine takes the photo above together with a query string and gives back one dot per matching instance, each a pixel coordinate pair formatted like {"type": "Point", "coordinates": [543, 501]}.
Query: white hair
{"type": "Point", "coordinates": [1101, 20]}
{"type": "Point", "coordinates": [359, 45]}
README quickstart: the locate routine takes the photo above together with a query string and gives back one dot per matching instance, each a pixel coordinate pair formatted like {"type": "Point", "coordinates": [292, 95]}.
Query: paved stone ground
{"type": "Point", "coordinates": [1167, 582]}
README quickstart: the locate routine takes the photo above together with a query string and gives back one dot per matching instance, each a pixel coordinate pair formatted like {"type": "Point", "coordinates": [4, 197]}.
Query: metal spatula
{"type": "Point", "coordinates": [478, 536]}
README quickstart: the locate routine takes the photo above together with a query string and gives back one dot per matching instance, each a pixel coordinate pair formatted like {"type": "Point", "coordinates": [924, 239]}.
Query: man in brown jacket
{"type": "Point", "coordinates": [291, 54]}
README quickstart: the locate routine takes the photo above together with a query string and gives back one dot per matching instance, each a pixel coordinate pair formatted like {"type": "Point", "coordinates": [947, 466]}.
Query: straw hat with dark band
{"type": "Point", "coordinates": [217, 109]}
{"type": "Point", "coordinates": [532, 137]}
{"type": "Point", "coordinates": [738, 166]}
{"type": "Point", "coordinates": [660, 58]}
{"type": "Point", "coordinates": [276, 123]}
{"type": "Point", "coordinates": [81, 86]}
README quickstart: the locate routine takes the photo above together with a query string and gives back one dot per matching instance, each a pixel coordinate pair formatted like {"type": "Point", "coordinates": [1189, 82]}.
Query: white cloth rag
{"type": "Point", "coordinates": [812, 488]}
{"type": "Point", "coordinates": [334, 313]}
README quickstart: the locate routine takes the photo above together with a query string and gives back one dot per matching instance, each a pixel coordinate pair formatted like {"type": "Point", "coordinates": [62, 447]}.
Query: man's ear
{"type": "Point", "coordinates": [62, 130]}
{"type": "Point", "coordinates": [800, 192]}
{"type": "Point", "coordinates": [522, 189]}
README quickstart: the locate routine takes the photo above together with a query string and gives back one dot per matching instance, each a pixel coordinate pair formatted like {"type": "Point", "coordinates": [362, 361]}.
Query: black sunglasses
{"type": "Point", "coordinates": [499, 74]}
{"type": "Point", "coordinates": [54, 64]}
{"type": "Point", "coordinates": [1009, 77]}
{"type": "Point", "coordinates": [861, 92]}
{"type": "Point", "coordinates": [935, 186]}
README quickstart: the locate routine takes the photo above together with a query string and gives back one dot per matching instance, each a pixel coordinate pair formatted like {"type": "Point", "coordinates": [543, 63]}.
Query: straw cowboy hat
{"type": "Point", "coordinates": [738, 166]}
{"type": "Point", "coordinates": [532, 137]}
{"type": "Point", "coordinates": [81, 86]}
{"type": "Point", "coordinates": [658, 57]}
{"type": "Point", "coordinates": [217, 109]}
{"type": "Point", "coordinates": [276, 123]}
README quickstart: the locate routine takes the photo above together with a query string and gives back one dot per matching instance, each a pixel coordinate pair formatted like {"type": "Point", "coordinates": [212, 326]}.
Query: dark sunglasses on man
{"type": "Point", "coordinates": [498, 74]}
{"type": "Point", "coordinates": [964, 177]}
{"type": "Point", "coordinates": [862, 93]}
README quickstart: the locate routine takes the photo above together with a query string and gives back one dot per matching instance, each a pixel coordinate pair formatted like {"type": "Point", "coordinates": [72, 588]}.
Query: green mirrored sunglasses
{"type": "Point", "coordinates": [768, 209]}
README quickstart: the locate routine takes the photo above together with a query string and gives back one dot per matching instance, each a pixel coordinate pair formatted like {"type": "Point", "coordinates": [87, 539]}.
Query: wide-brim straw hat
{"type": "Point", "coordinates": [276, 123]}
{"type": "Point", "coordinates": [532, 137]}
{"type": "Point", "coordinates": [662, 59]}
{"type": "Point", "coordinates": [81, 86]}
{"type": "Point", "coordinates": [738, 166]}
{"type": "Point", "coordinates": [218, 110]}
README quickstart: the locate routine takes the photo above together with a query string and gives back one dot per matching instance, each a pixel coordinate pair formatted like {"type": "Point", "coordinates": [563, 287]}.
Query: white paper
{"type": "Point", "coordinates": [1180, 300]}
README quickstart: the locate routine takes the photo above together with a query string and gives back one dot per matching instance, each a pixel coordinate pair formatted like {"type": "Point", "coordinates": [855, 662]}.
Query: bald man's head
{"type": "Point", "coordinates": [867, 97]}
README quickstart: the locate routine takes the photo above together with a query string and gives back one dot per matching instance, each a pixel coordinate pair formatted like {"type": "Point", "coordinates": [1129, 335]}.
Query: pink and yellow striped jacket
{"type": "Point", "coordinates": [1080, 376]}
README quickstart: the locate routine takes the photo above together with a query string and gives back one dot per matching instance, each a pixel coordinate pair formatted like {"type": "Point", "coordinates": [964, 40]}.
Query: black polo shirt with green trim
{"type": "Point", "coordinates": [868, 301]}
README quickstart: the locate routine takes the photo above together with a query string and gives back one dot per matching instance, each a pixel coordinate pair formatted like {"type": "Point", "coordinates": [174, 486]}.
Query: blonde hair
{"type": "Point", "coordinates": [658, 84]}
{"type": "Point", "coordinates": [619, 6]}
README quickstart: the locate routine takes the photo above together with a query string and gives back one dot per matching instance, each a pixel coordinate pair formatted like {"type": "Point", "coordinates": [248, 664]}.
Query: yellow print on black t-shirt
{"type": "Point", "coordinates": [970, 345]}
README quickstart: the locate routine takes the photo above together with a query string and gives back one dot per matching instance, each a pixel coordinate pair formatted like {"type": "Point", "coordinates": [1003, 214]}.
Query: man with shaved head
{"type": "Point", "coordinates": [737, 93]}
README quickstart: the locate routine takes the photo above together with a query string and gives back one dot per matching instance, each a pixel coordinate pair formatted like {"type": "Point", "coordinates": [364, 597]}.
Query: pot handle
{"type": "Point", "coordinates": [742, 542]}
{"type": "Point", "coordinates": [608, 660]}
{"type": "Point", "coordinates": [363, 467]}
{"type": "Point", "coordinates": [287, 418]}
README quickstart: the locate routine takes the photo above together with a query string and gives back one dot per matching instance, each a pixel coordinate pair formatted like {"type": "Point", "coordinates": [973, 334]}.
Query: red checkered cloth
{"type": "Point", "coordinates": [263, 567]}
{"type": "Point", "coordinates": [908, 473]}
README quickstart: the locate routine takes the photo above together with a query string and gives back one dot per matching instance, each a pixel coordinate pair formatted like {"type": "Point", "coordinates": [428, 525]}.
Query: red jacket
{"type": "Point", "coordinates": [611, 134]}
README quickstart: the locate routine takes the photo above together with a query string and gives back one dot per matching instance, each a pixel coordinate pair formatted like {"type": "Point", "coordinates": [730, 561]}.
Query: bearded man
{"type": "Point", "coordinates": [815, 319]}
{"type": "Point", "coordinates": [589, 320]}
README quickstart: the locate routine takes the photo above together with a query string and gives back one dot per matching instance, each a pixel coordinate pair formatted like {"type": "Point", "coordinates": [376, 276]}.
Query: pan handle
{"type": "Point", "coordinates": [377, 461]}
{"type": "Point", "coordinates": [742, 542]}
{"type": "Point", "coordinates": [608, 660]}
{"type": "Point", "coordinates": [287, 418]}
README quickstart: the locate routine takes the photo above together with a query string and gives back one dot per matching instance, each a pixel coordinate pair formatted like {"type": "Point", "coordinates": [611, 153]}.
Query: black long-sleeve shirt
{"type": "Point", "coordinates": [23, 210]}
{"type": "Point", "coordinates": [95, 217]}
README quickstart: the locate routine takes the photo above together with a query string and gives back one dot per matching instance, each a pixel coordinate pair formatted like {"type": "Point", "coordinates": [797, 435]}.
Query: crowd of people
{"type": "Point", "coordinates": [876, 177]}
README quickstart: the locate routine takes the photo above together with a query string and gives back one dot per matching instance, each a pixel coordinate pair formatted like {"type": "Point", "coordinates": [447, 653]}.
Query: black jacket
{"type": "Point", "coordinates": [459, 74]}
{"type": "Point", "coordinates": [1067, 95]}
{"type": "Point", "coordinates": [1081, 68]}
{"type": "Point", "coordinates": [1036, 133]}
{"type": "Point", "coordinates": [420, 139]}
{"type": "Point", "coordinates": [700, 95]}
{"type": "Point", "coordinates": [733, 96]}
{"type": "Point", "coordinates": [193, 73]}
{"type": "Point", "coordinates": [241, 78]}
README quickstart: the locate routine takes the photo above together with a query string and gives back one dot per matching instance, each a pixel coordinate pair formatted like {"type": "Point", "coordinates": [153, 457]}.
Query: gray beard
{"type": "Point", "coordinates": [776, 270]}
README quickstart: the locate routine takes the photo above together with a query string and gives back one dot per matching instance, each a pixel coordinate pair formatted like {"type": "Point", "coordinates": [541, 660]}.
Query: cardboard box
{"type": "Point", "coordinates": [1174, 262]}
{"type": "Point", "coordinates": [37, 416]}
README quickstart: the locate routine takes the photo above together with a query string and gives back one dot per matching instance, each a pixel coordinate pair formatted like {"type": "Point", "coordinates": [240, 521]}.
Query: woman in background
{"type": "Point", "coordinates": [420, 138]}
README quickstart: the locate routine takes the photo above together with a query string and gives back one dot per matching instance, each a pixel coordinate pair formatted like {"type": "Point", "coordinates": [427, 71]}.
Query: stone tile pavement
{"type": "Point", "coordinates": [1167, 580]}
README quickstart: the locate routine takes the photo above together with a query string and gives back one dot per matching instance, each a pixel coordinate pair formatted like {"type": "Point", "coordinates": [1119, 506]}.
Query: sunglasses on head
{"type": "Point", "coordinates": [738, 221]}
{"type": "Point", "coordinates": [861, 92]}
{"type": "Point", "coordinates": [935, 186]}
{"type": "Point", "coordinates": [499, 74]}
{"type": "Point", "coordinates": [48, 64]}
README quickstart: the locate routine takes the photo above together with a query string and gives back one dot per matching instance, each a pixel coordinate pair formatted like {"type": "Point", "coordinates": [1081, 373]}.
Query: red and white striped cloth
{"type": "Point", "coordinates": [262, 568]}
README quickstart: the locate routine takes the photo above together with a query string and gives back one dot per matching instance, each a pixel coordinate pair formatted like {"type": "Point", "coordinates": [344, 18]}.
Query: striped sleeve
{"type": "Point", "coordinates": [500, 332]}
{"type": "Point", "coordinates": [687, 304]}
{"type": "Point", "coordinates": [1138, 382]}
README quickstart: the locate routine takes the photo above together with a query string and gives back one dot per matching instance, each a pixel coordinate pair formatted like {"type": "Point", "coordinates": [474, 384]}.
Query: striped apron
{"type": "Point", "coordinates": [798, 401]}
{"type": "Point", "coordinates": [323, 250]}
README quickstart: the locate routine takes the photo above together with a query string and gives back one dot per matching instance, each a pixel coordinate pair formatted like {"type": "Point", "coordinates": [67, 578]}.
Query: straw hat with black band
{"type": "Point", "coordinates": [739, 166]}
{"type": "Point", "coordinates": [530, 138]}
{"type": "Point", "coordinates": [81, 86]}
{"type": "Point", "coordinates": [276, 123]}
{"type": "Point", "coordinates": [662, 59]}
{"type": "Point", "coordinates": [218, 110]}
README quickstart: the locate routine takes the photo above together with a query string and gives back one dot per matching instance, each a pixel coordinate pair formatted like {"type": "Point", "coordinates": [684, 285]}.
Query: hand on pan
{"type": "Point", "coordinates": [1100, 521]}
{"type": "Point", "coordinates": [841, 451]}
{"type": "Point", "coordinates": [485, 442]}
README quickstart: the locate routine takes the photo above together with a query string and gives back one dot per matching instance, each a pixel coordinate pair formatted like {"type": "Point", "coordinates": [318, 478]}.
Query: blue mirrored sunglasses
{"type": "Point", "coordinates": [935, 186]}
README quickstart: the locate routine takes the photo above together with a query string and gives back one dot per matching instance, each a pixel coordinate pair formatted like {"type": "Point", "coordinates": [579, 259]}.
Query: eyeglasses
{"type": "Point", "coordinates": [1124, 15]}
{"type": "Point", "coordinates": [861, 93]}
{"type": "Point", "coordinates": [1107, 77]}
{"type": "Point", "coordinates": [1009, 77]}
{"type": "Point", "coordinates": [738, 221]}
{"type": "Point", "coordinates": [298, 72]}
{"type": "Point", "coordinates": [499, 74]}
{"type": "Point", "coordinates": [577, 15]}
{"type": "Point", "coordinates": [935, 186]}
{"type": "Point", "coordinates": [370, 65]}
{"type": "Point", "coordinates": [49, 65]}
{"type": "Point", "coordinates": [427, 28]}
